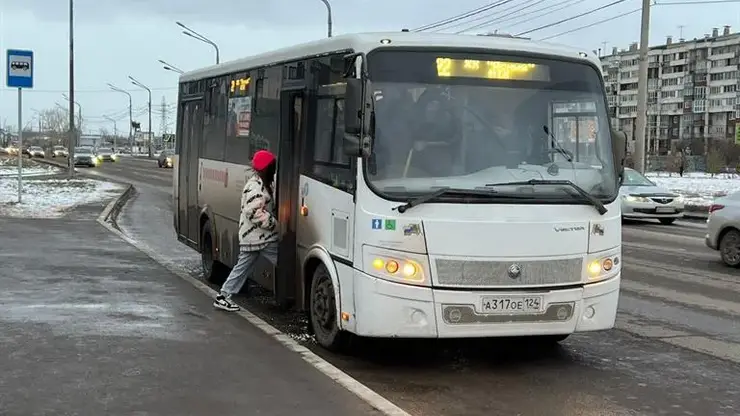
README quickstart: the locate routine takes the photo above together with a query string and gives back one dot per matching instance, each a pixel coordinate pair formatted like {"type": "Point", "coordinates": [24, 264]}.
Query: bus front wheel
{"type": "Point", "coordinates": [323, 311]}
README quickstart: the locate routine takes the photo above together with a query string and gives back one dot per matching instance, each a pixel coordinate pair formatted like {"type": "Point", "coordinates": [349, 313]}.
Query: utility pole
{"type": "Point", "coordinates": [642, 81]}
{"type": "Point", "coordinates": [115, 131]}
{"type": "Point", "coordinates": [163, 126]}
{"type": "Point", "coordinates": [72, 130]}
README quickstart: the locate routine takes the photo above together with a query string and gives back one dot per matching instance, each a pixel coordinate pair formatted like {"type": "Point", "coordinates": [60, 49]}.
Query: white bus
{"type": "Point", "coordinates": [429, 185]}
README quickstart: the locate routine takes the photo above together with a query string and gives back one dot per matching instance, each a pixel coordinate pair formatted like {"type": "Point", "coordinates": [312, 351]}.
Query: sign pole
{"type": "Point", "coordinates": [20, 75]}
{"type": "Point", "coordinates": [20, 143]}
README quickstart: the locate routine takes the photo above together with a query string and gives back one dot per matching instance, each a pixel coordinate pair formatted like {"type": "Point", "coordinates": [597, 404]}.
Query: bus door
{"type": "Point", "coordinates": [192, 130]}
{"type": "Point", "coordinates": [292, 112]}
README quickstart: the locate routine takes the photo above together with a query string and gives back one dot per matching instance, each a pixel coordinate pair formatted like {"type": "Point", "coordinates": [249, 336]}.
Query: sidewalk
{"type": "Point", "coordinates": [91, 326]}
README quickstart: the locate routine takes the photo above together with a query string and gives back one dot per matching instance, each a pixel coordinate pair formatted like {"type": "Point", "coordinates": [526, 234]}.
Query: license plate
{"type": "Point", "coordinates": [665, 210]}
{"type": "Point", "coordinates": [511, 304]}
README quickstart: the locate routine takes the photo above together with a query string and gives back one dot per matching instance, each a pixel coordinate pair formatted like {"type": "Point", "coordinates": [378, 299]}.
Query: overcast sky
{"type": "Point", "coordinates": [117, 38]}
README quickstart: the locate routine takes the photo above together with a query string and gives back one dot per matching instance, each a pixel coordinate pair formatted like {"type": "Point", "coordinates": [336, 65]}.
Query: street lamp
{"type": "Point", "coordinates": [328, 18]}
{"type": "Point", "coordinates": [115, 132]}
{"type": "Point", "coordinates": [195, 35]}
{"type": "Point", "coordinates": [130, 114]}
{"type": "Point", "coordinates": [149, 134]}
{"type": "Point", "coordinates": [79, 115]}
{"type": "Point", "coordinates": [72, 133]}
{"type": "Point", "coordinates": [169, 67]}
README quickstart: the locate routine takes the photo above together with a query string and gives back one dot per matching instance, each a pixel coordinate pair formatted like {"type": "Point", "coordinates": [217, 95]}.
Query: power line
{"type": "Point", "coordinates": [467, 14]}
{"type": "Point", "coordinates": [635, 11]}
{"type": "Point", "coordinates": [571, 18]}
{"type": "Point", "coordinates": [564, 4]}
{"type": "Point", "coordinates": [498, 18]}
{"type": "Point", "coordinates": [485, 16]}
{"type": "Point", "coordinates": [594, 24]}
{"type": "Point", "coordinates": [680, 3]}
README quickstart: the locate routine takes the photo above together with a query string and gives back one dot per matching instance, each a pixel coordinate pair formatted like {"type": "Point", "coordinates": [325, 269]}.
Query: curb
{"type": "Point", "coordinates": [53, 163]}
{"type": "Point", "coordinates": [384, 406]}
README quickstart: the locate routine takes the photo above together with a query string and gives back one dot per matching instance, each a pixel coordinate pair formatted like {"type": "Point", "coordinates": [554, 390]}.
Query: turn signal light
{"type": "Point", "coordinates": [598, 267]}
{"type": "Point", "coordinates": [401, 269]}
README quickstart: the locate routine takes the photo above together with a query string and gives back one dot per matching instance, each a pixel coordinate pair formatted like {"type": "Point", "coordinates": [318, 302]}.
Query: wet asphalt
{"type": "Point", "coordinates": [89, 325]}
{"type": "Point", "coordinates": [676, 349]}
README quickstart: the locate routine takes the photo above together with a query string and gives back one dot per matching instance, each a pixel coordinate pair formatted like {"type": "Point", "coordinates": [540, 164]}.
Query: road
{"type": "Point", "coordinates": [676, 349]}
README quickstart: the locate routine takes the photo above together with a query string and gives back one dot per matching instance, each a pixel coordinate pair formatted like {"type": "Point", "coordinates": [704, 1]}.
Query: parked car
{"type": "Point", "coordinates": [107, 155]}
{"type": "Point", "coordinates": [643, 199]}
{"type": "Point", "coordinates": [36, 151]}
{"type": "Point", "coordinates": [723, 228]}
{"type": "Point", "coordinates": [59, 151]}
{"type": "Point", "coordinates": [85, 156]}
{"type": "Point", "coordinates": [164, 160]}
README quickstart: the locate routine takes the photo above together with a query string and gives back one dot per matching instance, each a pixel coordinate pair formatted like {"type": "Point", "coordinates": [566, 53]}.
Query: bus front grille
{"type": "Point", "coordinates": [484, 273]}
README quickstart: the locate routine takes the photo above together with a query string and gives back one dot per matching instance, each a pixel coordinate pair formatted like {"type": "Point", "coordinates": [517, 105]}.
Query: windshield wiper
{"type": "Point", "coordinates": [582, 192]}
{"type": "Point", "coordinates": [439, 192]}
{"type": "Point", "coordinates": [555, 145]}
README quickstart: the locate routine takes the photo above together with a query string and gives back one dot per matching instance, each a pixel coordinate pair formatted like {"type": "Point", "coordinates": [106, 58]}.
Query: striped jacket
{"type": "Point", "coordinates": [257, 222]}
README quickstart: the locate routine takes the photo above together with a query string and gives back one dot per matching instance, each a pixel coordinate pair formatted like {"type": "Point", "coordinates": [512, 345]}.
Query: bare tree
{"type": "Point", "coordinates": [57, 124]}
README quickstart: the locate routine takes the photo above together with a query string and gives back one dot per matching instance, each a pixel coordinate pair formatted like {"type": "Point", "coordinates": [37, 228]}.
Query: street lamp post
{"type": "Point", "coordinates": [149, 134]}
{"type": "Point", "coordinates": [130, 114]}
{"type": "Point", "coordinates": [328, 17]}
{"type": "Point", "coordinates": [79, 114]}
{"type": "Point", "coordinates": [169, 67]}
{"type": "Point", "coordinates": [195, 35]}
{"type": "Point", "coordinates": [72, 132]}
{"type": "Point", "coordinates": [115, 132]}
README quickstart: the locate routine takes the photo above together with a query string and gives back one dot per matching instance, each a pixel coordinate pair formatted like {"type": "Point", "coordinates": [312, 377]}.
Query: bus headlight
{"type": "Point", "coordinates": [603, 265]}
{"type": "Point", "coordinates": [409, 268]}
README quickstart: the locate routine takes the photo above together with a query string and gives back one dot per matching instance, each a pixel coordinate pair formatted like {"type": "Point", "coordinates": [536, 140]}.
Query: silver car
{"type": "Point", "coordinates": [723, 228]}
{"type": "Point", "coordinates": [643, 199]}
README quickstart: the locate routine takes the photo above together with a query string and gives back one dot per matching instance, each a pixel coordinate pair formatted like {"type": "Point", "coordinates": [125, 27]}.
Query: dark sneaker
{"type": "Point", "coordinates": [224, 303]}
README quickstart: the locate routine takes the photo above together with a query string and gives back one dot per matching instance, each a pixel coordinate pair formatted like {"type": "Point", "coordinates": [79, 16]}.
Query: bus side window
{"type": "Point", "coordinates": [239, 111]}
{"type": "Point", "coordinates": [214, 125]}
{"type": "Point", "coordinates": [330, 164]}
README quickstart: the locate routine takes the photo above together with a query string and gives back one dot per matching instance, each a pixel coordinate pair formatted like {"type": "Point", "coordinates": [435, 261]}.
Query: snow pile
{"type": "Point", "coordinates": [50, 198]}
{"type": "Point", "coordinates": [9, 168]}
{"type": "Point", "coordinates": [698, 188]}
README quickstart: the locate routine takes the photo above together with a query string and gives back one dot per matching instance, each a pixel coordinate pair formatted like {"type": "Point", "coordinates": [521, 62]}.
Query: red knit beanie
{"type": "Point", "coordinates": [262, 159]}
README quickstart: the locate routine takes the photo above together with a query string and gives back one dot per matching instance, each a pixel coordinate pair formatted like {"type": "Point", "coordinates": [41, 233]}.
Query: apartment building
{"type": "Point", "coordinates": [693, 91]}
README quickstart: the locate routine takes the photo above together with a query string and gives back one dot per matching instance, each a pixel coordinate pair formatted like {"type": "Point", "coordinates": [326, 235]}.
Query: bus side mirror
{"type": "Point", "coordinates": [357, 123]}
{"type": "Point", "coordinates": [619, 152]}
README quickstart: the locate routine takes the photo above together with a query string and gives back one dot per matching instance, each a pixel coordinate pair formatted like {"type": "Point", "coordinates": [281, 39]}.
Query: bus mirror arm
{"type": "Point", "coordinates": [358, 120]}
{"type": "Point", "coordinates": [619, 152]}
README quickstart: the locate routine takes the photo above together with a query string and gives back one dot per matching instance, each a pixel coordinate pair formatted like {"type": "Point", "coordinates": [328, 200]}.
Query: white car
{"type": "Point", "coordinates": [643, 199]}
{"type": "Point", "coordinates": [36, 151]}
{"type": "Point", "coordinates": [723, 228]}
{"type": "Point", "coordinates": [60, 151]}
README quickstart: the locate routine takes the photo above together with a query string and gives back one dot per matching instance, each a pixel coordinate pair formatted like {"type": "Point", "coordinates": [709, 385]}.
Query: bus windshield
{"type": "Point", "coordinates": [471, 121]}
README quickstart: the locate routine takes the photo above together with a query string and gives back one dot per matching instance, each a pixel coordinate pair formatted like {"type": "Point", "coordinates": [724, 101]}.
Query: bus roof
{"type": "Point", "coordinates": [365, 42]}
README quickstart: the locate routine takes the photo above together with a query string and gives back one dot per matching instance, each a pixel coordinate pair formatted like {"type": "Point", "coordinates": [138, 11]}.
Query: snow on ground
{"type": "Point", "coordinates": [698, 188]}
{"type": "Point", "coordinates": [51, 198]}
{"type": "Point", "coordinates": [9, 168]}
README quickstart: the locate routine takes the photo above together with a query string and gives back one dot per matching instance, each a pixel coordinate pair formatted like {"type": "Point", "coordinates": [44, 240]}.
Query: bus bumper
{"type": "Point", "coordinates": [388, 309]}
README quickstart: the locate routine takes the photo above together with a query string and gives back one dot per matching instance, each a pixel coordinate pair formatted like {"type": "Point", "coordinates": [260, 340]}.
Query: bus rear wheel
{"type": "Point", "coordinates": [213, 270]}
{"type": "Point", "coordinates": [323, 311]}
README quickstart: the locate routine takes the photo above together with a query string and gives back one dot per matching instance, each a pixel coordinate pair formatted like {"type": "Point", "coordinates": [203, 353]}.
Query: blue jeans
{"type": "Point", "coordinates": [244, 265]}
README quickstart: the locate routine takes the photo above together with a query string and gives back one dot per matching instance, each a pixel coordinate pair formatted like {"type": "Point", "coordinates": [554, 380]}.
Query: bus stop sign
{"type": "Point", "coordinates": [20, 69]}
